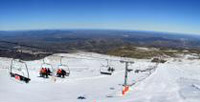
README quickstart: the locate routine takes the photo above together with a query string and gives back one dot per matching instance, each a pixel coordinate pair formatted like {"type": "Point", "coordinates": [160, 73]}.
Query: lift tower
{"type": "Point", "coordinates": [126, 71]}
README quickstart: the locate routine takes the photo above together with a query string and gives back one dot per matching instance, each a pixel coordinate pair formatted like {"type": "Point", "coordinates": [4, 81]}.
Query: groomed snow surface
{"type": "Point", "coordinates": [177, 80]}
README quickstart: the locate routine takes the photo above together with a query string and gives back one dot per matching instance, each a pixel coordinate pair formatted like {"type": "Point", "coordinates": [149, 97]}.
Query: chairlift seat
{"type": "Point", "coordinates": [20, 77]}
{"type": "Point", "coordinates": [107, 70]}
{"type": "Point", "coordinates": [65, 68]}
{"type": "Point", "coordinates": [19, 71]}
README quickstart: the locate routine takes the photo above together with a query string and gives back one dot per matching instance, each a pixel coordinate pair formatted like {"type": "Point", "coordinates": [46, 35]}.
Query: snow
{"type": "Point", "coordinates": [146, 49]}
{"type": "Point", "coordinates": [177, 80]}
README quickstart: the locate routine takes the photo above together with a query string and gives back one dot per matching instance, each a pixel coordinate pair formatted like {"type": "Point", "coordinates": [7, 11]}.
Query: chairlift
{"type": "Point", "coordinates": [107, 70]}
{"type": "Point", "coordinates": [46, 69]}
{"type": "Point", "coordinates": [19, 70]}
{"type": "Point", "coordinates": [63, 69]}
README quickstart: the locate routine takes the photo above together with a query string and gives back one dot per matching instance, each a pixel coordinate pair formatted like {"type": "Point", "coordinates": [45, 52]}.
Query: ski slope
{"type": "Point", "coordinates": [177, 80]}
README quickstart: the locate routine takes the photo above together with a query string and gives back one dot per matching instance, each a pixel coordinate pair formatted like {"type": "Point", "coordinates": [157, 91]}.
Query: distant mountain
{"type": "Point", "coordinates": [138, 37]}
{"type": "Point", "coordinates": [101, 41]}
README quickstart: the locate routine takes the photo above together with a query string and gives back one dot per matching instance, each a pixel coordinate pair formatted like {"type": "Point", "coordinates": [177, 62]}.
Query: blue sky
{"type": "Point", "coordinates": [180, 16]}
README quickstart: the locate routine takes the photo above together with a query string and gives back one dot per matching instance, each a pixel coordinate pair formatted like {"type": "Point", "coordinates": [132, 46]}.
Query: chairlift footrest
{"type": "Point", "coordinates": [106, 73]}
{"type": "Point", "coordinates": [20, 77]}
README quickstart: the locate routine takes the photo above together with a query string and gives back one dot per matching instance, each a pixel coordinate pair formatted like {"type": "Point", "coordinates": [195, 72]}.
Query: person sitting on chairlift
{"type": "Point", "coordinates": [48, 71]}
{"type": "Point", "coordinates": [61, 73]}
{"type": "Point", "coordinates": [110, 69]}
{"type": "Point", "coordinates": [43, 73]}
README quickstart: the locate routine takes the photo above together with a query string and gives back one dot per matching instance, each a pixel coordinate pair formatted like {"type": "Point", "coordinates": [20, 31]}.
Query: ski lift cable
{"type": "Point", "coordinates": [97, 58]}
{"type": "Point", "coordinates": [122, 58]}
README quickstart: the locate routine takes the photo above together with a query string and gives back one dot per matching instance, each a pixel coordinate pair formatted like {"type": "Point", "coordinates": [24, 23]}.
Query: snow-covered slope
{"type": "Point", "coordinates": [177, 80]}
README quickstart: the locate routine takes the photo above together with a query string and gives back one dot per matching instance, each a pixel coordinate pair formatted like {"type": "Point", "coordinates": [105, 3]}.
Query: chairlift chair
{"type": "Point", "coordinates": [19, 70]}
{"type": "Point", "coordinates": [107, 70]}
{"type": "Point", "coordinates": [47, 66]}
{"type": "Point", "coordinates": [64, 68]}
